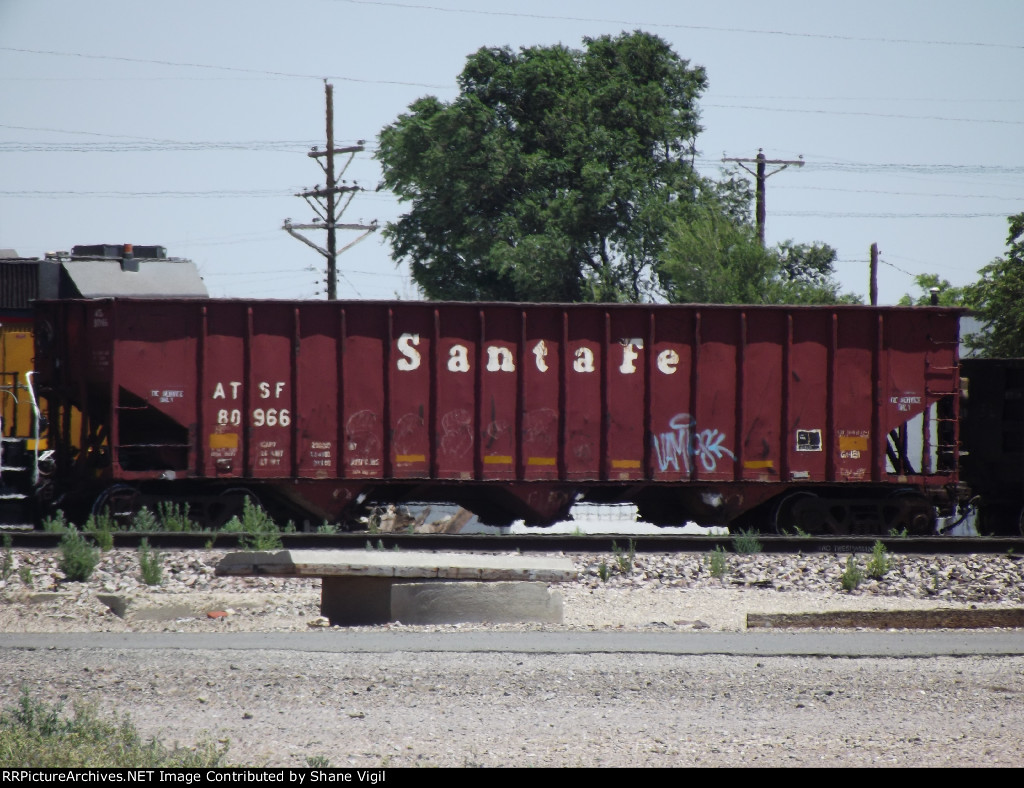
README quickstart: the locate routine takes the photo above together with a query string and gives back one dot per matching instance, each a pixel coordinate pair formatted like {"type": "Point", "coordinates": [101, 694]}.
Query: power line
{"type": "Point", "coordinates": [215, 194]}
{"type": "Point", "coordinates": [866, 114]}
{"type": "Point", "coordinates": [901, 99]}
{"type": "Point", "coordinates": [894, 215]}
{"type": "Point", "coordinates": [676, 26]}
{"type": "Point", "coordinates": [898, 194]}
{"type": "Point", "coordinates": [181, 64]}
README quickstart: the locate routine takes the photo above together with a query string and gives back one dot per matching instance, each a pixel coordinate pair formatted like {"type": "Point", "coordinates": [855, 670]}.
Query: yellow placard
{"type": "Point", "coordinates": [853, 443]}
{"type": "Point", "coordinates": [224, 440]}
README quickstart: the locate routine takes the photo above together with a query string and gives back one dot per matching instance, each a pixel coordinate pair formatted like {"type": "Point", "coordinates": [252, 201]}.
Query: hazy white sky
{"type": "Point", "coordinates": [186, 124]}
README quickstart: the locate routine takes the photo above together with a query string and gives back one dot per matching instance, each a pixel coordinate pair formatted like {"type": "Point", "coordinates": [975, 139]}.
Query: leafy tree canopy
{"type": "Point", "coordinates": [997, 299]}
{"type": "Point", "coordinates": [717, 259]}
{"type": "Point", "coordinates": [947, 293]}
{"type": "Point", "coordinates": [553, 176]}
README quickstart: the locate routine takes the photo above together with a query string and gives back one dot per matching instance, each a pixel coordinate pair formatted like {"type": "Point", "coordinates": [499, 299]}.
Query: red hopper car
{"type": "Point", "coordinates": [823, 419]}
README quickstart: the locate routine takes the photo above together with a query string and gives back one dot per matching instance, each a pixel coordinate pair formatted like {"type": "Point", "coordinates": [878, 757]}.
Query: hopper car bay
{"type": "Point", "coordinates": [838, 419]}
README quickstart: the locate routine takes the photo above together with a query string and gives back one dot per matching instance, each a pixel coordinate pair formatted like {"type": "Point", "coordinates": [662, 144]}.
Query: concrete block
{"type": "Point", "coordinates": [369, 601]}
{"type": "Point", "coordinates": [475, 603]}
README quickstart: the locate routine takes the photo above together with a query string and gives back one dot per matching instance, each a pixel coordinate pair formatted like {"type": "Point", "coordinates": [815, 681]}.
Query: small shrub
{"type": "Point", "coordinates": [174, 517]}
{"type": "Point", "coordinates": [746, 542]}
{"type": "Point", "coordinates": [78, 557]}
{"type": "Point", "coordinates": [57, 524]}
{"type": "Point", "coordinates": [318, 762]}
{"type": "Point", "coordinates": [327, 528]}
{"type": "Point", "coordinates": [879, 563]}
{"type": "Point", "coordinates": [145, 521]}
{"type": "Point", "coordinates": [40, 735]}
{"type": "Point", "coordinates": [257, 531]}
{"type": "Point", "coordinates": [898, 534]}
{"type": "Point", "coordinates": [852, 576]}
{"type": "Point", "coordinates": [101, 529]}
{"type": "Point", "coordinates": [151, 564]}
{"type": "Point", "coordinates": [625, 559]}
{"type": "Point", "coordinates": [7, 564]}
{"type": "Point", "coordinates": [602, 571]}
{"type": "Point", "coordinates": [25, 573]}
{"type": "Point", "coordinates": [717, 562]}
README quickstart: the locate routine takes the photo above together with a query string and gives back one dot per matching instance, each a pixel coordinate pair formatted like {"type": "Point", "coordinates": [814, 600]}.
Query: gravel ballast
{"type": "Point", "coordinates": [284, 707]}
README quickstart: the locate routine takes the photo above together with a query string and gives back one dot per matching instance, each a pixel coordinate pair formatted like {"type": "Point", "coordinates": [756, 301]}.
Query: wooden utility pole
{"type": "Point", "coordinates": [874, 275]}
{"type": "Point", "coordinates": [326, 204]}
{"type": "Point", "coordinates": [761, 175]}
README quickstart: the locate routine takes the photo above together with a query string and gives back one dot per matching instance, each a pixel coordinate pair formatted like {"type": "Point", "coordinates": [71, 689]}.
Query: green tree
{"type": "Point", "coordinates": [717, 259]}
{"type": "Point", "coordinates": [553, 176]}
{"type": "Point", "coordinates": [997, 299]}
{"type": "Point", "coordinates": [948, 294]}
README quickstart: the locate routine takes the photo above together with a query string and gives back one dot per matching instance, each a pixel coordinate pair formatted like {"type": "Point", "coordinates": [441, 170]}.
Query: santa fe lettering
{"type": "Point", "coordinates": [500, 358]}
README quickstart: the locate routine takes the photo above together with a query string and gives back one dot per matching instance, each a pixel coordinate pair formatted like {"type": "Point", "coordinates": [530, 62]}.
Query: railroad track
{"type": "Point", "coordinates": [555, 543]}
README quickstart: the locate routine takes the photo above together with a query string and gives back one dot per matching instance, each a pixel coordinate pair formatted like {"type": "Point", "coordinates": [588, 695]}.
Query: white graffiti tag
{"type": "Point", "coordinates": [685, 441]}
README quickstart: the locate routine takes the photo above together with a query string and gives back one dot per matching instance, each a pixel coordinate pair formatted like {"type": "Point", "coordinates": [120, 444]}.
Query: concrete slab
{"type": "Point", "coordinates": [366, 587]}
{"type": "Point", "coordinates": [890, 619]}
{"type": "Point", "coordinates": [398, 564]}
{"type": "Point", "coordinates": [169, 607]}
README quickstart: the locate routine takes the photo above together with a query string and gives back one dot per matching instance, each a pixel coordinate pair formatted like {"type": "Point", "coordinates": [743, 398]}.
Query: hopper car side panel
{"type": "Point", "coordinates": [692, 412]}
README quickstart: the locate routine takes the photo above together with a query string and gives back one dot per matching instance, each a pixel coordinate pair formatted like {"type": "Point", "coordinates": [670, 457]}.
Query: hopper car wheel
{"type": "Point", "coordinates": [915, 514]}
{"type": "Point", "coordinates": [233, 505]}
{"type": "Point", "coordinates": [801, 511]}
{"type": "Point", "coordinates": [121, 500]}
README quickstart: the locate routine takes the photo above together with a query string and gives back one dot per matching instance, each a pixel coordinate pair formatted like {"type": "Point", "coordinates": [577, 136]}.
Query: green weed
{"type": "Point", "coordinates": [327, 528]}
{"type": "Point", "coordinates": [879, 563]}
{"type": "Point", "coordinates": [101, 528]}
{"type": "Point", "coordinates": [7, 564]}
{"type": "Point", "coordinates": [318, 762]}
{"type": "Point", "coordinates": [746, 542]}
{"type": "Point", "coordinates": [852, 576]}
{"type": "Point", "coordinates": [603, 571]}
{"type": "Point", "coordinates": [174, 517]}
{"type": "Point", "coordinates": [145, 521]}
{"type": "Point", "coordinates": [717, 562]}
{"type": "Point", "coordinates": [256, 529]}
{"type": "Point", "coordinates": [898, 534]}
{"type": "Point", "coordinates": [25, 574]}
{"type": "Point", "coordinates": [56, 524]}
{"type": "Point", "coordinates": [625, 559]}
{"type": "Point", "coordinates": [78, 557]}
{"type": "Point", "coordinates": [39, 735]}
{"type": "Point", "coordinates": [151, 564]}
